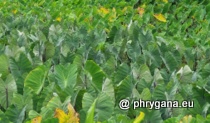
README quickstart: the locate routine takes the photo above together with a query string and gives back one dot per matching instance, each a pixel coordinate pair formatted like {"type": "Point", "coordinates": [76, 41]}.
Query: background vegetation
{"type": "Point", "coordinates": [62, 57]}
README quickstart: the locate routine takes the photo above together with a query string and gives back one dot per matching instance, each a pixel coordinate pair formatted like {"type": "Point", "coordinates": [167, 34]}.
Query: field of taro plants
{"type": "Point", "coordinates": [104, 61]}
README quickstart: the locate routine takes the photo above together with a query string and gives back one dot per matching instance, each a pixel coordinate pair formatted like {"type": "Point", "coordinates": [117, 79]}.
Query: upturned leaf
{"type": "Point", "coordinates": [66, 75]}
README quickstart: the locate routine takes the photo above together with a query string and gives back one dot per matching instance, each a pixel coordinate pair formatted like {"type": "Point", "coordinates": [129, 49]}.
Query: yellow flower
{"type": "Point", "coordinates": [58, 19]}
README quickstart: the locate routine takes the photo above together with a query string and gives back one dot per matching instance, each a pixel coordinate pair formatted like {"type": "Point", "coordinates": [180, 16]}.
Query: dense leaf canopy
{"type": "Point", "coordinates": [75, 60]}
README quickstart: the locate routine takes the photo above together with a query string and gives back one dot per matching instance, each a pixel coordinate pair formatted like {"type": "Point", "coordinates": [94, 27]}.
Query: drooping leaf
{"type": "Point", "coordinates": [36, 78]}
{"type": "Point", "coordinates": [96, 73]}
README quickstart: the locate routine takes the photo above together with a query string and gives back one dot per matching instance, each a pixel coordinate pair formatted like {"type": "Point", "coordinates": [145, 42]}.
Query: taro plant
{"type": "Point", "coordinates": [74, 61]}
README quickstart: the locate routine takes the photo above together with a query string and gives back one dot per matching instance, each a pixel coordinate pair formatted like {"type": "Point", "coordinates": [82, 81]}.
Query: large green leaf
{"type": "Point", "coordinates": [109, 66]}
{"type": "Point", "coordinates": [158, 77]}
{"type": "Point", "coordinates": [122, 71]}
{"type": "Point", "coordinates": [7, 88]}
{"type": "Point", "coordinates": [146, 95]}
{"type": "Point", "coordinates": [96, 73]}
{"type": "Point", "coordinates": [90, 113]}
{"type": "Point", "coordinates": [22, 100]}
{"type": "Point", "coordinates": [104, 105]}
{"type": "Point", "coordinates": [20, 66]}
{"type": "Point", "coordinates": [153, 116]}
{"type": "Point", "coordinates": [49, 51]}
{"type": "Point", "coordinates": [54, 102]}
{"type": "Point", "coordinates": [160, 93]}
{"type": "Point", "coordinates": [185, 74]}
{"type": "Point", "coordinates": [145, 73]}
{"type": "Point", "coordinates": [170, 61]}
{"type": "Point", "coordinates": [47, 110]}
{"type": "Point", "coordinates": [36, 78]}
{"type": "Point", "coordinates": [3, 117]}
{"type": "Point", "coordinates": [32, 114]}
{"type": "Point", "coordinates": [206, 70]}
{"type": "Point", "coordinates": [66, 75]}
{"type": "Point", "coordinates": [125, 89]}
{"type": "Point", "coordinates": [108, 88]}
{"type": "Point", "coordinates": [19, 69]}
{"type": "Point", "coordinates": [16, 115]}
